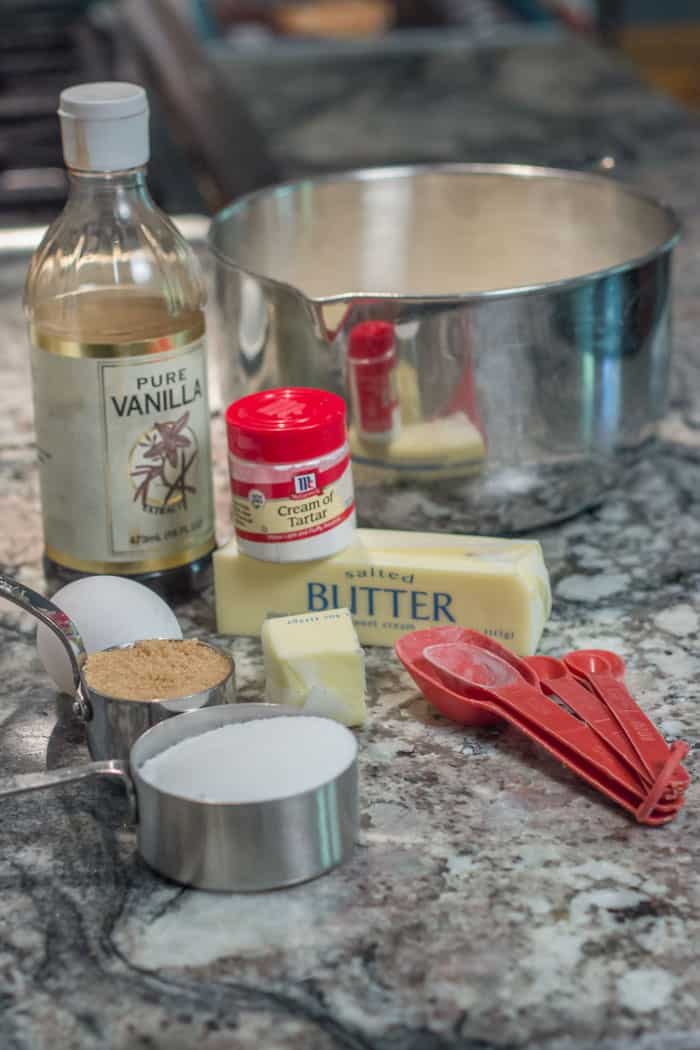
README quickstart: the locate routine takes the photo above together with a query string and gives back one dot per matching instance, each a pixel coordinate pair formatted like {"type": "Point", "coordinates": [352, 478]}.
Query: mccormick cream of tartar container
{"type": "Point", "coordinates": [291, 478]}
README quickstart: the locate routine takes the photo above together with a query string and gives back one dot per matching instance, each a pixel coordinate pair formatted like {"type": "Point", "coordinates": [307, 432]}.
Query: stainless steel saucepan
{"type": "Point", "coordinates": [531, 310]}
{"type": "Point", "coordinates": [216, 846]}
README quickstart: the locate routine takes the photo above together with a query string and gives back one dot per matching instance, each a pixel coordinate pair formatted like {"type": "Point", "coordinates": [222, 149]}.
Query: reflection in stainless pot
{"type": "Point", "coordinates": [531, 309]}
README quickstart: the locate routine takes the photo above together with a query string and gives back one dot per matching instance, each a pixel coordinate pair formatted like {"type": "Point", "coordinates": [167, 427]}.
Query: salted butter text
{"type": "Point", "coordinates": [401, 603]}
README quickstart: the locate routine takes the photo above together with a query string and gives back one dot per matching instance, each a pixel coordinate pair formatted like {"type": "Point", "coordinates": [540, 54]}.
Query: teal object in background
{"type": "Point", "coordinates": [661, 10]}
{"type": "Point", "coordinates": [530, 10]}
{"type": "Point", "coordinates": [633, 11]}
{"type": "Point", "coordinates": [204, 21]}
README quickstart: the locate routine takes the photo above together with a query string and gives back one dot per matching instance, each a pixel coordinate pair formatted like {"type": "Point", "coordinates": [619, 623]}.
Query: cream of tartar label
{"type": "Point", "coordinates": [124, 455]}
{"type": "Point", "coordinates": [308, 504]}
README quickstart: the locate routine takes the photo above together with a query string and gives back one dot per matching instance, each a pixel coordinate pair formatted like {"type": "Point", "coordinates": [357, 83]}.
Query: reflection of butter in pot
{"type": "Point", "coordinates": [409, 393]}
{"type": "Point", "coordinates": [431, 449]}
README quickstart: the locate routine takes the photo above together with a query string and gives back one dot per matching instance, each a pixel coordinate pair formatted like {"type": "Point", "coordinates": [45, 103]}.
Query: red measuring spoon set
{"type": "Point", "coordinates": [577, 708]}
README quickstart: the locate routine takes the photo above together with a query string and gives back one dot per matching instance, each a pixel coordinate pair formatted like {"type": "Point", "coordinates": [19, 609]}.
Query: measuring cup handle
{"type": "Point", "coordinates": [44, 610]}
{"type": "Point", "coordinates": [21, 783]}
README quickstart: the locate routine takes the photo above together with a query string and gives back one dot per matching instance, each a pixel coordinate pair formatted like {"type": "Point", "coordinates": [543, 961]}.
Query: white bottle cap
{"type": "Point", "coordinates": [104, 126]}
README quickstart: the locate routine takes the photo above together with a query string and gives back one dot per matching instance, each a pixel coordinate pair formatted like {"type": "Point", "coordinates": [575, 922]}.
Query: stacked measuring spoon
{"type": "Point", "coordinates": [577, 708]}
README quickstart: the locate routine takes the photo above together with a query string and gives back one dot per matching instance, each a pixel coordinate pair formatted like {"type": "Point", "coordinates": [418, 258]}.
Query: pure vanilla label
{"type": "Point", "coordinates": [307, 503]}
{"type": "Point", "coordinates": [124, 455]}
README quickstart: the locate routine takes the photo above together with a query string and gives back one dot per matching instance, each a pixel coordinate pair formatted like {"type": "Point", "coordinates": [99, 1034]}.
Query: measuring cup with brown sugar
{"type": "Point", "coordinates": [123, 691]}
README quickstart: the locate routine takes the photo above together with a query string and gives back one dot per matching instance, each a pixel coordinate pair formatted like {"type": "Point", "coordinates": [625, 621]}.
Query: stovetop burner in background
{"type": "Point", "coordinates": [44, 47]}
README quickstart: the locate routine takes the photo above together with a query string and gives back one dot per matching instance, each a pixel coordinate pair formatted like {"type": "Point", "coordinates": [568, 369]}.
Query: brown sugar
{"type": "Point", "coordinates": [162, 669]}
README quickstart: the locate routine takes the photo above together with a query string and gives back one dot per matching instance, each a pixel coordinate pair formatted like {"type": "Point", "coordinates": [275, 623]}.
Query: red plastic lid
{"type": "Point", "coordinates": [286, 425]}
{"type": "Point", "coordinates": [371, 339]}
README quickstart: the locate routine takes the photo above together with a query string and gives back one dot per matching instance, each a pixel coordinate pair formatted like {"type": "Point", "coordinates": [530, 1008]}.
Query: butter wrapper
{"type": "Point", "coordinates": [395, 582]}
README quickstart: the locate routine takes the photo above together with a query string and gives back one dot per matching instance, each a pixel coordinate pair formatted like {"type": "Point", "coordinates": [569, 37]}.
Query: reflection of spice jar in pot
{"type": "Point", "coordinates": [290, 472]}
{"type": "Point", "coordinates": [371, 366]}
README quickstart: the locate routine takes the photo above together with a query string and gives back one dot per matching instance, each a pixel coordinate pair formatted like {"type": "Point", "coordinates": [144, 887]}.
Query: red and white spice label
{"type": "Point", "coordinates": [306, 503]}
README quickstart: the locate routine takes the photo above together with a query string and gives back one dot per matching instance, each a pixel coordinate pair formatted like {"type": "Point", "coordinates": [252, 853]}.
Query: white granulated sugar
{"type": "Point", "coordinates": [253, 761]}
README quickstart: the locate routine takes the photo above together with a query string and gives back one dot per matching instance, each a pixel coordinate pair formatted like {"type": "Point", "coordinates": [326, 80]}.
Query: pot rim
{"type": "Point", "coordinates": [410, 170]}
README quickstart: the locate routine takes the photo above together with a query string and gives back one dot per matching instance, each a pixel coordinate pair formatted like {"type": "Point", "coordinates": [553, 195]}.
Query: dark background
{"type": "Point", "coordinates": [176, 48]}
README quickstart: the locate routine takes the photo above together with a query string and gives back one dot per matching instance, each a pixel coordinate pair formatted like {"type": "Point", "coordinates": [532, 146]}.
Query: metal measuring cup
{"type": "Point", "coordinates": [224, 846]}
{"type": "Point", "coordinates": [112, 723]}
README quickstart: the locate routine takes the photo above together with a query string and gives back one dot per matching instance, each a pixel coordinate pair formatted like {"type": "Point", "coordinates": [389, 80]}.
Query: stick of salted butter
{"type": "Point", "coordinates": [394, 582]}
{"type": "Point", "coordinates": [315, 662]}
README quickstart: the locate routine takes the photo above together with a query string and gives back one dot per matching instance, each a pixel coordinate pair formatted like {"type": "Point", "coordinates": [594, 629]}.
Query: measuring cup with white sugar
{"type": "Point", "coordinates": [113, 721]}
{"type": "Point", "coordinates": [239, 797]}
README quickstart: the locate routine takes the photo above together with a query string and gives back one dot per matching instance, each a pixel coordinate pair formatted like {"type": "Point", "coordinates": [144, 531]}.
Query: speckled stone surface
{"type": "Point", "coordinates": [493, 901]}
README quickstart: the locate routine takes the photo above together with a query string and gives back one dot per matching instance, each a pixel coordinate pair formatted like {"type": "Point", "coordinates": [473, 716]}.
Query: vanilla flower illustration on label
{"type": "Point", "coordinates": [161, 463]}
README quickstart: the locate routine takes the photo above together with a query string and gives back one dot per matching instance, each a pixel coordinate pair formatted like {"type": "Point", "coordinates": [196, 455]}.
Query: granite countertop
{"type": "Point", "coordinates": [492, 901]}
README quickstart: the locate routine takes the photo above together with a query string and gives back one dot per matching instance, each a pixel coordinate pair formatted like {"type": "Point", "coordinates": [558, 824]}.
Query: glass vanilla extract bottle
{"type": "Point", "coordinates": [115, 304]}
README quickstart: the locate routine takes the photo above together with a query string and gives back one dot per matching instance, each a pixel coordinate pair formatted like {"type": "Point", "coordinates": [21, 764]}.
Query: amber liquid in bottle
{"type": "Point", "coordinates": [115, 303]}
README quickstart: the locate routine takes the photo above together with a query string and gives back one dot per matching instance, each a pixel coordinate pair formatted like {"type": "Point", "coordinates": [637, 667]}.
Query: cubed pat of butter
{"type": "Point", "coordinates": [315, 662]}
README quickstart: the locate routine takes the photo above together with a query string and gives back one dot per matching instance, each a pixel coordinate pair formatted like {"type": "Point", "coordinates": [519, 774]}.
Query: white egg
{"type": "Point", "coordinates": [107, 610]}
